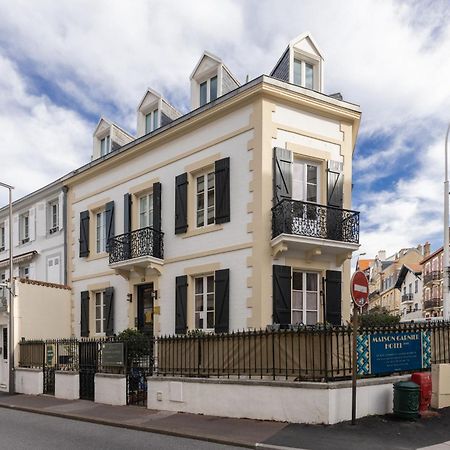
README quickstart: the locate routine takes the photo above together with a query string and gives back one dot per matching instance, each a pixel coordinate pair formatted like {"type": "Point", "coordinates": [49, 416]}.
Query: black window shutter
{"type": "Point", "coordinates": [222, 191]}
{"type": "Point", "coordinates": [222, 301]}
{"type": "Point", "coordinates": [157, 206]}
{"type": "Point", "coordinates": [181, 285]}
{"type": "Point", "coordinates": [282, 174]}
{"type": "Point", "coordinates": [333, 297]}
{"type": "Point", "coordinates": [110, 232]}
{"type": "Point", "coordinates": [85, 314]}
{"type": "Point", "coordinates": [109, 311]}
{"type": "Point", "coordinates": [281, 292]}
{"type": "Point", "coordinates": [127, 213]}
{"type": "Point", "coordinates": [335, 184]}
{"type": "Point", "coordinates": [84, 233]}
{"type": "Point", "coordinates": [181, 193]}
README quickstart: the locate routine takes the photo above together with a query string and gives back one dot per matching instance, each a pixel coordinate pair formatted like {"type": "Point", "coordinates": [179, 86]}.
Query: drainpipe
{"type": "Point", "coordinates": [65, 189]}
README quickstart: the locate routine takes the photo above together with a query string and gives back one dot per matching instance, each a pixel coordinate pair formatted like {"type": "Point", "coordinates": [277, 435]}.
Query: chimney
{"type": "Point", "coordinates": [426, 249]}
{"type": "Point", "coordinates": [381, 255]}
{"type": "Point", "coordinates": [420, 249]}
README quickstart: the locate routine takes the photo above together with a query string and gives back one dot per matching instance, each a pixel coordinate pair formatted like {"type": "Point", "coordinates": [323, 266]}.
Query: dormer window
{"type": "Point", "coordinates": [105, 145]}
{"type": "Point", "coordinates": [303, 73]}
{"type": "Point", "coordinates": [208, 90]}
{"type": "Point", "coordinates": [151, 121]}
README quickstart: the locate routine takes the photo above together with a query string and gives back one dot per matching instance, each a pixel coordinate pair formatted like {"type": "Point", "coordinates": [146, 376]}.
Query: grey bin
{"type": "Point", "coordinates": [406, 400]}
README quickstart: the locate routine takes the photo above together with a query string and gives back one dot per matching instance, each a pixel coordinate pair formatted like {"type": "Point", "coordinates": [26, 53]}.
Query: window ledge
{"type": "Point", "coordinates": [97, 256]}
{"type": "Point", "coordinates": [203, 230]}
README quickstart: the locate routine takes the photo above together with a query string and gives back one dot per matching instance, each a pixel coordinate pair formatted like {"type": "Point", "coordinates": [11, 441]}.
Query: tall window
{"type": "Point", "coordinates": [208, 90]}
{"type": "Point", "coordinates": [305, 181]}
{"type": "Point", "coordinates": [416, 286]}
{"type": "Point", "coordinates": [53, 216]}
{"type": "Point", "coordinates": [146, 211]}
{"type": "Point", "coordinates": [24, 272]}
{"type": "Point", "coordinates": [100, 313]}
{"type": "Point", "coordinates": [151, 121]}
{"type": "Point", "coordinates": [204, 303]}
{"type": "Point", "coordinates": [2, 237]}
{"type": "Point", "coordinates": [205, 199]}
{"type": "Point", "coordinates": [305, 297]}
{"type": "Point", "coordinates": [24, 228]}
{"type": "Point", "coordinates": [101, 232]}
{"type": "Point", "coordinates": [303, 74]}
{"type": "Point", "coordinates": [105, 145]}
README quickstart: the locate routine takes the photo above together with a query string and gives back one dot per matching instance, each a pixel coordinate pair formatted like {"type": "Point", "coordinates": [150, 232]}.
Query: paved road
{"type": "Point", "coordinates": [23, 431]}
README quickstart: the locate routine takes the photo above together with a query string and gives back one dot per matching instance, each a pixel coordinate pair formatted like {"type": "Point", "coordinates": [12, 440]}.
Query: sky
{"type": "Point", "coordinates": [63, 65]}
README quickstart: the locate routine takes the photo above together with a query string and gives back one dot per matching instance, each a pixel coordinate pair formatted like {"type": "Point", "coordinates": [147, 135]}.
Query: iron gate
{"type": "Point", "coordinates": [88, 367]}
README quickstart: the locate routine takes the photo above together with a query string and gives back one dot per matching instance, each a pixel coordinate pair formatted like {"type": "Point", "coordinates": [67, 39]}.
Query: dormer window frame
{"type": "Point", "coordinates": [149, 110]}
{"type": "Point", "coordinates": [305, 59]}
{"type": "Point", "coordinates": [105, 138]}
{"type": "Point", "coordinates": [206, 78]}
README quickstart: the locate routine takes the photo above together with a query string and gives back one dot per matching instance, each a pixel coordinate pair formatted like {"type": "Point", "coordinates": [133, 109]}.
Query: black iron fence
{"type": "Point", "coordinates": [314, 220]}
{"type": "Point", "coordinates": [143, 242]}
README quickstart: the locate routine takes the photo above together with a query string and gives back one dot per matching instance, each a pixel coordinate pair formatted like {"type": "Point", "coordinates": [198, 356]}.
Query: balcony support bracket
{"type": "Point", "coordinates": [342, 258]}
{"type": "Point", "coordinates": [278, 249]}
{"type": "Point", "coordinates": [313, 253]}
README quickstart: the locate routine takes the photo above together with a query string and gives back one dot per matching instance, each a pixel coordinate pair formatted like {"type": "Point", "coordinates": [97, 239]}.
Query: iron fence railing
{"type": "Point", "coordinates": [407, 297]}
{"type": "Point", "coordinates": [143, 242]}
{"type": "Point", "coordinates": [435, 302]}
{"type": "Point", "coordinates": [298, 354]}
{"type": "Point", "coordinates": [314, 220]}
{"type": "Point", "coordinates": [432, 276]}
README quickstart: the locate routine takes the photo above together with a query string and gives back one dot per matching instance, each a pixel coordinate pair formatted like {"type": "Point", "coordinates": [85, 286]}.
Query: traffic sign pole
{"type": "Point", "coordinates": [354, 365]}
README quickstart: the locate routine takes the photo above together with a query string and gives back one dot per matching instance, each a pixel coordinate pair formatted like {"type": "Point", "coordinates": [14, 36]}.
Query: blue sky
{"type": "Point", "coordinates": [64, 64]}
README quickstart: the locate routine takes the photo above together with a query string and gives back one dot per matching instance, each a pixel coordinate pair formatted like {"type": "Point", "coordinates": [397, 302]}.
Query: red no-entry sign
{"type": "Point", "coordinates": [359, 287]}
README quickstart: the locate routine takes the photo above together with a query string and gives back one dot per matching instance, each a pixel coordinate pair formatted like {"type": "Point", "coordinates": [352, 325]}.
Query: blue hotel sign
{"type": "Point", "coordinates": [385, 353]}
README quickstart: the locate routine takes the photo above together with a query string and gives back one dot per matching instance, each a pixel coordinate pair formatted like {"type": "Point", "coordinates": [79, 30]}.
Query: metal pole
{"type": "Point", "coordinates": [354, 365]}
{"type": "Point", "coordinates": [445, 300]}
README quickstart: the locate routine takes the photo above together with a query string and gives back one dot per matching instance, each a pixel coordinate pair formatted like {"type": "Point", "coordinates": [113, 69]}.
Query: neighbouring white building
{"type": "Point", "coordinates": [234, 215]}
{"type": "Point", "coordinates": [410, 285]}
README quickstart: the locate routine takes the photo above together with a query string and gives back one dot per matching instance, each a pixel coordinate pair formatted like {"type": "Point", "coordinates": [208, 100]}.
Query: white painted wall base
{"type": "Point", "coordinates": [440, 379]}
{"type": "Point", "coordinates": [67, 385]}
{"type": "Point", "coordinates": [326, 403]}
{"type": "Point", "coordinates": [29, 381]}
{"type": "Point", "coordinates": [110, 389]}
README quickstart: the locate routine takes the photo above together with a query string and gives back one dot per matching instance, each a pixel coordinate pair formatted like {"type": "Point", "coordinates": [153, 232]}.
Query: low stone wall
{"type": "Point", "coordinates": [67, 385]}
{"type": "Point", "coordinates": [302, 402]}
{"type": "Point", "coordinates": [440, 379]}
{"type": "Point", "coordinates": [110, 389]}
{"type": "Point", "coordinates": [29, 381]}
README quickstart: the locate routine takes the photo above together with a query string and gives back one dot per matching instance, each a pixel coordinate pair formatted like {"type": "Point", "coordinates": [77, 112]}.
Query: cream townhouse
{"type": "Point", "coordinates": [236, 215]}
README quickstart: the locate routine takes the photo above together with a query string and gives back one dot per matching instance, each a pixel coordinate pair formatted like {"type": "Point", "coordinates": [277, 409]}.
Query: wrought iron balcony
{"type": "Point", "coordinates": [432, 303]}
{"type": "Point", "coordinates": [435, 275]}
{"type": "Point", "coordinates": [136, 244]}
{"type": "Point", "coordinates": [407, 297]}
{"type": "Point", "coordinates": [314, 220]}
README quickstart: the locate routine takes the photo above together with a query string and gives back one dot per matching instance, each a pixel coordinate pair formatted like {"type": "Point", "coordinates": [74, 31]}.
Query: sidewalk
{"type": "Point", "coordinates": [376, 432]}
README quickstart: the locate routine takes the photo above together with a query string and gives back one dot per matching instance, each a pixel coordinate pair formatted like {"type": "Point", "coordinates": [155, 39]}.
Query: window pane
{"type": "Point", "coordinates": [148, 123]}
{"type": "Point", "coordinates": [200, 218]}
{"type": "Point", "coordinates": [213, 89]}
{"type": "Point", "coordinates": [311, 282]}
{"type": "Point", "coordinates": [311, 301]}
{"type": "Point", "coordinates": [203, 94]}
{"type": "Point", "coordinates": [297, 317]}
{"type": "Point", "coordinates": [200, 202]}
{"type": "Point", "coordinates": [210, 215]}
{"type": "Point", "coordinates": [297, 72]}
{"type": "Point", "coordinates": [311, 318]}
{"type": "Point", "coordinates": [297, 300]}
{"type": "Point", "coordinates": [210, 319]}
{"type": "Point", "coordinates": [199, 285]}
{"type": "Point", "coordinates": [200, 184]}
{"type": "Point", "coordinates": [311, 193]}
{"type": "Point", "coordinates": [298, 181]}
{"type": "Point", "coordinates": [309, 69]}
{"type": "Point", "coordinates": [210, 302]}
{"type": "Point", "coordinates": [311, 174]}
{"type": "Point", "coordinates": [210, 284]}
{"type": "Point", "coordinates": [199, 302]}
{"type": "Point", "coordinates": [155, 119]}
{"type": "Point", "coordinates": [197, 320]}
{"type": "Point", "coordinates": [297, 281]}
{"type": "Point", "coordinates": [211, 177]}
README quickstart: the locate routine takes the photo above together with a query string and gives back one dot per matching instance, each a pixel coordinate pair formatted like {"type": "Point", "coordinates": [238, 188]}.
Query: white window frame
{"type": "Point", "coordinates": [24, 227]}
{"type": "Point", "coordinates": [53, 216]}
{"type": "Point", "coordinates": [304, 61]}
{"type": "Point", "coordinates": [100, 316]}
{"type": "Point", "coordinates": [106, 148]}
{"type": "Point", "coordinates": [100, 231]}
{"type": "Point", "coordinates": [202, 314]}
{"type": "Point", "coordinates": [2, 237]}
{"type": "Point", "coordinates": [304, 310]}
{"type": "Point", "coordinates": [209, 186]}
{"type": "Point", "coordinates": [146, 215]}
{"type": "Point", "coordinates": [303, 165]}
{"type": "Point", "coordinates": [154, 119]}
{"type": "Point", "coordinates": [207, 82]}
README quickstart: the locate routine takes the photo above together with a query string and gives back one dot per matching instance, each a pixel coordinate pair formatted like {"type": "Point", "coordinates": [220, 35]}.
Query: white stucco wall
{"type": "Point", "coordinates": [110, 389]}
{"type": "Point", "coordinates": [67, 385]}
{"type": "Point", "coordinates": [29, 381]}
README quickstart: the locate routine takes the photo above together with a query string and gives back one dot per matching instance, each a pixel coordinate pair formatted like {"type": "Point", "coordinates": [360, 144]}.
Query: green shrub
{"type": "Point", "coordinates": [378, 317]}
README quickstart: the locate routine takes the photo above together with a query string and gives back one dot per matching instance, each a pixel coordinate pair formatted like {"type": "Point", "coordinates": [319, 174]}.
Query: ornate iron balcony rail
{"type": "Point", "coordinates": [432, 276]}
{"type": "Point", "coordinates": [314, 220]}
{"type": "Point", "coordinates": [143, 242]}
{"type": "Point", "coordinates": [407, 297]}
{"type": "Point", "coordinates": [432, 303]}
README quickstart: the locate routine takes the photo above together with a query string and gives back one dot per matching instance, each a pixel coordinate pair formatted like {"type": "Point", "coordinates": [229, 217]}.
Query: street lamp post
{"type": "Point", "coordinates": [11, 296]}
{"type": "Point", "coordinates": [445, 299]}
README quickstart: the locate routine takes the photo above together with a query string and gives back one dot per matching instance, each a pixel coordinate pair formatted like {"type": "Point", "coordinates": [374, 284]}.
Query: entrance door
{"type": "Point", "coordinates": [145, 308]}
{"type": "Point", "coordinates": [4, 358]}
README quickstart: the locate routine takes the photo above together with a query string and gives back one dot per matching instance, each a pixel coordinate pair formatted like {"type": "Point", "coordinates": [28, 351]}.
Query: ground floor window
{"type": "Point", "coordinates": [305, 297]}
{"type": "Point", "coordinates": [204, 302]}
{"type": "Point", "coordinates": [100, 312]}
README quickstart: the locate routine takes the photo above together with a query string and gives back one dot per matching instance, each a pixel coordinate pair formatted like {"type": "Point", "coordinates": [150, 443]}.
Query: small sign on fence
{"type": "Point", "coordinates": [385, 353]}
{"type": "Point", "coordinates": [113, 354]}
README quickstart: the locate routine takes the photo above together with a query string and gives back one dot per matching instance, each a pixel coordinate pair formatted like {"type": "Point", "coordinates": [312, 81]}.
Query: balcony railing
{"type": "Point", "coordinates": [431, 276]}
{"type": "Point", "coordinates": [407, 297]}
{"type": "Point", "coordinates": [314, 220]}
{"type": "Point", "coordinates": [138, 243]}
{"type": "Point", "coordinates": [432, 303]}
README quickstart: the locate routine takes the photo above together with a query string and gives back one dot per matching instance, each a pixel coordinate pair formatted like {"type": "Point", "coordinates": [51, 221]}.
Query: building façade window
{"type": "Point", "coordinates": [100, 312]}
{"type": "Point", "coordinates": [146, 210]}
{"type": "Point", "coordinates": [24, 228]}
{"type": "Point", "coordinates": [151, 121]}
{"type": "Point", "coordinates": [100, 235]}
{"type": "Point", "coordinates": [205, 195]}
{"type": "Point", "coordinates": [305, 297]}
{"type": "Point", "coordinates": [208, 90]}
{"type": "Point", "coordinates": [204, 302]}
{"type": "Point", "coordinates": [105, 145]}
{"type": "Point", "coordinates": [2, 237]}
{"type": "Point", "coordinates": [304, 73]}
{"type": "Point", "coordinates": [53, 216]}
